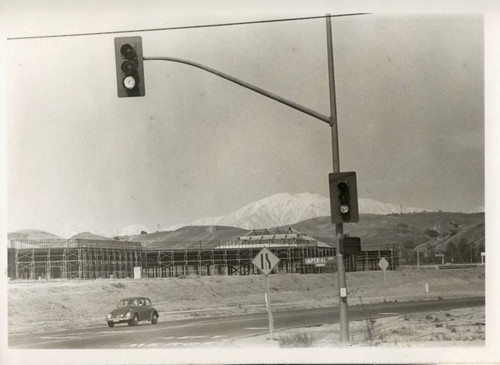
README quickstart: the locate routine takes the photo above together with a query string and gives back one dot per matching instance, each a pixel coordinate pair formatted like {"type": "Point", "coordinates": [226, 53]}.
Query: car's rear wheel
{"type": "Point", "coordinates": [134, 321]}
{"type": "Point", "coordinates": [154, 319]}
{"type": "Point", "coordinates": [111, 324]}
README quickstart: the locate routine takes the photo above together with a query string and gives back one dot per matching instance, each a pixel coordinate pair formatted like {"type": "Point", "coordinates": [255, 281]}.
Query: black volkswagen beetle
{"type": "Point", "coordinates": [132, 311]}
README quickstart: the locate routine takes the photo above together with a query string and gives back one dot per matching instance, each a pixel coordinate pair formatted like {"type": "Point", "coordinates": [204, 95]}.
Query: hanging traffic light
{"type": "Point", "coordinates": [129, 67]}
{"type": "Point", "coordinates": [343, 197]}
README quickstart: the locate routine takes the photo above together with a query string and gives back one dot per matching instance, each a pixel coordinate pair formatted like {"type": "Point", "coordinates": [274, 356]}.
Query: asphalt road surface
{"type": "Point", "coordinates": [216, 332]}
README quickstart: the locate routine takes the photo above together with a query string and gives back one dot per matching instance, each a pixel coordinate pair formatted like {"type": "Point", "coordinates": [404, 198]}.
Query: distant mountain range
{"type": "Point", "coordinates": [275, 211]}
{"type": "Point", "coordinates": [285, 209]}
{"type": "Point", "coordinates": [460, 235]}
{"type": "Point", "coordinates": [32, 234]}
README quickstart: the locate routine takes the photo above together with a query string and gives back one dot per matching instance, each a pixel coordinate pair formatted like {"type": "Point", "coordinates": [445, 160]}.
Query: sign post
{"type": "Point", "coordinates": [266, 261]}
{"type": "Point", "coordinates": [383, 264]}
{"type": "Point", "coordinates": [442, 257]}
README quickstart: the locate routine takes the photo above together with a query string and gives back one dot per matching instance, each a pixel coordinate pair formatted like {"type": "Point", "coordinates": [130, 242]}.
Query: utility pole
{"type": "Point", "coordinates": [339, 227]}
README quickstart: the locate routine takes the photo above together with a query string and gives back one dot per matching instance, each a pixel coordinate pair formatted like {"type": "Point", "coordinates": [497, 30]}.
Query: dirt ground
{"type": "Point", "coordinates": [43, 305]}
{"type": "Point", "coordinates": [456, 327]}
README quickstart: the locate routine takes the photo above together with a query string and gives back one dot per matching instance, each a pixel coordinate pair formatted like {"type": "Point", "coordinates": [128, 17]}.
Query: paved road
{"type": "Point", "coordinates": [216, 332]}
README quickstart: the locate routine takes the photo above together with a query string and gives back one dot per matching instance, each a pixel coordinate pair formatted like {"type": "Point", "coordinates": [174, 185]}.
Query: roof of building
{"type": "Point", "coordinates": [274, 238]}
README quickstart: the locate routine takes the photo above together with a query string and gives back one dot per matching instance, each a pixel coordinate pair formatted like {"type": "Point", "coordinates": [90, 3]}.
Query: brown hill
{"type": "Point", "coordinates": [89, 236]}
{"type": "Point", "coordinates": [463, 245]}
{"type": "Point", "coordinates": [459, 235]}
{"type": "Point", "coordinates": [395, 229]}
{"type": "Point", "coordinates": [32, 234]}
{"type": "Point", "coordinates": [473, 234]}
{"type": "Point", "coordinates": [190, 234]}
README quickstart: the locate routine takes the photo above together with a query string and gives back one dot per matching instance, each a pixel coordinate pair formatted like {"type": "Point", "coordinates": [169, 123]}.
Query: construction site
{"type": "Point", "coordinates": [113, 259]}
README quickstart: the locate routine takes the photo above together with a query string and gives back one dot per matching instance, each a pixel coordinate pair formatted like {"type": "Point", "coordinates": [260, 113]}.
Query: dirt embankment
{"type": "Point", "coordinates": [41, 305]}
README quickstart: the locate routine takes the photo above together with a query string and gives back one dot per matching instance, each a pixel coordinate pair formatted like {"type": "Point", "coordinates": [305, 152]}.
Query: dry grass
{"type": "Point", "coordinates": [295, 340]}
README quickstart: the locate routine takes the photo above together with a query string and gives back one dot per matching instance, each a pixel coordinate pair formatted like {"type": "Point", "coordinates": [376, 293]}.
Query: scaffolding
{"type": "Point", "coordinates": [160, 263]}
{"type": "Point", "coordinates": [84, 259]}
{"type": "Point", "coordinates": [72, 259]}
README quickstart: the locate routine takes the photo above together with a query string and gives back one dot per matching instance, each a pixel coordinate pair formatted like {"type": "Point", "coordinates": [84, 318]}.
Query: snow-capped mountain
{"type": "Point", "coordinates": [370, 206]}
{"type": "Point", "coordinates": [131, 230]}
{"type": "Point", "coordinates": [284, 209]}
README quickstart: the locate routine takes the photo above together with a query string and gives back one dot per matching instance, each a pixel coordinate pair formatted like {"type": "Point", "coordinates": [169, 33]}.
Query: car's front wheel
{"type": "Point", "coordinates": [134, 321]}
{"type": "Point", "coordinates": [111, 324]}
{"type": "Point", "coordinates": [154, 319]}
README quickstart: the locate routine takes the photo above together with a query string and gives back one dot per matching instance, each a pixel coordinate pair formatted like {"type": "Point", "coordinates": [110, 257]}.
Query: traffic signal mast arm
{"type": "Point", "coordinates": [247, 85]}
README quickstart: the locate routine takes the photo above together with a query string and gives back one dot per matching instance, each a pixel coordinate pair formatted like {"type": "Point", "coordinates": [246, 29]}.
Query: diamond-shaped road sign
{"type": "Point", "coordinates": [265, 261]}
{"type": "Point", "coordinates": [383, 264]}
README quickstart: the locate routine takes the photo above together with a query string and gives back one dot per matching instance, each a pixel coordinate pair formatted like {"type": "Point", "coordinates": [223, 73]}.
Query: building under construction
{"type": "Point", "coordinates": [93, 259]}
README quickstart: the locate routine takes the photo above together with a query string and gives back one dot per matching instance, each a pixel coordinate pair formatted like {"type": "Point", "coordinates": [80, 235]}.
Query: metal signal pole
{"type": "Point", "coordinates": [339, 227]}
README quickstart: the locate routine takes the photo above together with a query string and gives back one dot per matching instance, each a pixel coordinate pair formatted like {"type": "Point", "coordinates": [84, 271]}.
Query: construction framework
{"type": "Point", "coordinates": [72, 259]}
{"type": "Point", "coordinates": [107, 259]}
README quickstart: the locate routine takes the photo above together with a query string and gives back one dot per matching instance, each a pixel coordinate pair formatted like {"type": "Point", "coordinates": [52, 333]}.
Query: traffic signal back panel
{"type": "Point", "coordinates": [350, 245]}
{"type": "Point", "coordinates": [343, 197]}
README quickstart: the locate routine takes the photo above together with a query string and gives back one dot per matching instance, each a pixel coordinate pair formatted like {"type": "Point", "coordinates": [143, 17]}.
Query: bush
{"type": "Point", "coordinates": [370, 323]}
{"type": "Point", "coordinates": [300, 339]}
{"type": "Point", "coordinates": [431, 233]}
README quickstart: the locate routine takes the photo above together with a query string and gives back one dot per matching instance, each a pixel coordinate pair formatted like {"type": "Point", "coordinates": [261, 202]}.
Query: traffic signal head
{"type": "Point", "coordinates": [343, 197]}
{"type": "Point", "coordinates": [129, 67]}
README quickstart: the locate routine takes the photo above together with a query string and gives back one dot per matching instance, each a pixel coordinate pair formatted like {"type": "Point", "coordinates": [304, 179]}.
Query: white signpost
{"type": "Point", "coordinates": [266, 261]}
{"type": "Point", "coordinates": [137, 272]}
{"type": "Point", "coordinates": [383, 264]}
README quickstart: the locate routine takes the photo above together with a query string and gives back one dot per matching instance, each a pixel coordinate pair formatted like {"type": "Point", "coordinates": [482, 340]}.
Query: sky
{"type": "Point", "coordinates": [410, 106]}
{"type": "Point", "coordinates": [417, 113]}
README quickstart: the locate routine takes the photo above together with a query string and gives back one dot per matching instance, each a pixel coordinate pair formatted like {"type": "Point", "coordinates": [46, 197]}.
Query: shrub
{"type": "Point", "coordinates": [431, 233]}
{"type": "Point", "coordinates": [370, 322]}
{"type": "Point", "coordinates": [370, 329]}
{"type": "Point", "coordinates": [300, 339]}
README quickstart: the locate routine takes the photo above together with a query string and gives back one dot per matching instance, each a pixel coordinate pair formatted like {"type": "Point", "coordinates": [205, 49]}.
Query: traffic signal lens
{"type": "Point", "coordinates": [129, 67]}
{"type": "Point", "coordinates": [343, 190]}
{"type": "Point", "coordinates": [127, 51]}
{"type": "Point", "coordinates": [129, 82]}
{"type": "Point", "coordinates": [344, 209]}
